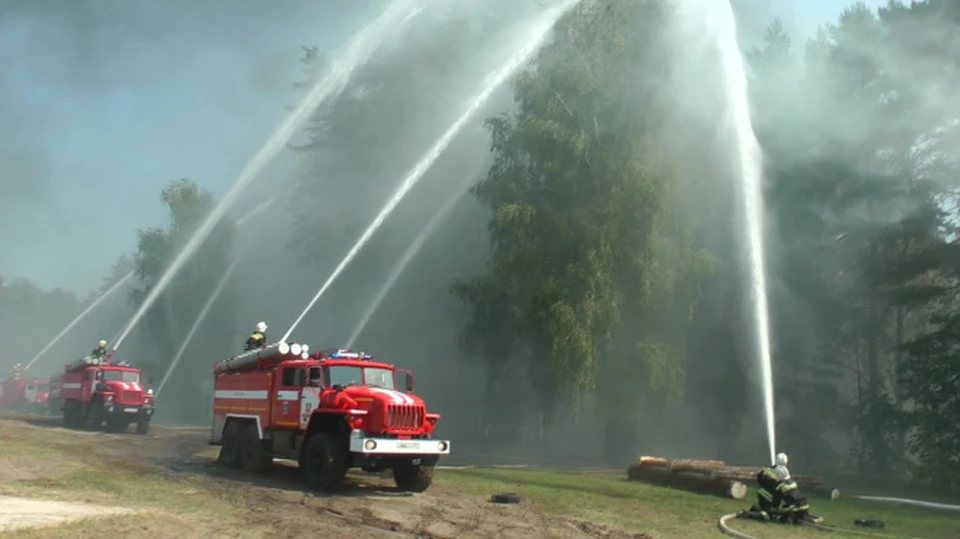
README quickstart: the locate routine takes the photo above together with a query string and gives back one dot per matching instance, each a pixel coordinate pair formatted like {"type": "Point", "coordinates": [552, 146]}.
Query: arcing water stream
{"type": "Point", "coordinates": [203, 314]}
{"type": "Point", "coordinates": [213, 297]}
{"type": "Point", "coordinates": [116, 286]}
{"type": "Point", "coordinates": [525, 51]}
{"type": "Point", "coordinates": [405, 260]}
{"type": "Point", "coordinates": [358, 51]}
{"type": "Point", "coordinates": [713, 23]}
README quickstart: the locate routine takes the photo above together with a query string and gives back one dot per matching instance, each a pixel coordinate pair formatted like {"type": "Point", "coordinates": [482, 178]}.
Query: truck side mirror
{"type": "Point", "coordinates": [407, 380]}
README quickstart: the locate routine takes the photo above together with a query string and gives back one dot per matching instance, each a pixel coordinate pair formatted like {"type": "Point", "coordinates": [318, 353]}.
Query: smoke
{"type": "Point", "coordinates": [82, 54]}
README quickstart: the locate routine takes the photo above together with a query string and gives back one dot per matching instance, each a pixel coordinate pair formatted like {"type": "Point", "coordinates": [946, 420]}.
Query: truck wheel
{"type": "Point", "coordinates": [325, 462]}
{"type": "Point", "coordinates": [68, 415]}
{"type": "Point", "coordinates": [143, 426]}
{"type": "Point", "coordinates": [230, 450]}
{"type": "Point", "coordinates": [95, 416]}
{"type": "Point", "coordinates": [413, 477]}
{"type": "Point", "coordinates": [252, 457]}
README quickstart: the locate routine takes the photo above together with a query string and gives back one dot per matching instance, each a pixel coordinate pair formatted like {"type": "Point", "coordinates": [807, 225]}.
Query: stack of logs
{"type": "Point", "coordinates": [705, 476]}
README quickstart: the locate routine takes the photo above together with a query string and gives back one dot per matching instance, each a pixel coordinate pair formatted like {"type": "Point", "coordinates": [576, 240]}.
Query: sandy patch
{"type": "Point", "coordinates": [19, 513]}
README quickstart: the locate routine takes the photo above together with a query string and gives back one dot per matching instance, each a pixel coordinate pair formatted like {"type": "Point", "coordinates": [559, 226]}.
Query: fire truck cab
{"type": "Point", "coordinates": [92, 393]}
{"type": "Point", "coordinates": [23, 395]}
{"type": "Point", "coordinates": [329, 411]}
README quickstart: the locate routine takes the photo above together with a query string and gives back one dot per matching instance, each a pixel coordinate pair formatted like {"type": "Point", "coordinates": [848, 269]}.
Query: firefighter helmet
{"type": "Point", "coordinates": [261, 326]}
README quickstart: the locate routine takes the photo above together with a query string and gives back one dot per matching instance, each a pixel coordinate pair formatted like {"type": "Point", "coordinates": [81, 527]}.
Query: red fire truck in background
{"type": "Point", "coordinates": [92, 392]}
{"type": "Point", "coordinates": [23, 395]}
{"type": "Point", "coordinates": [330, 411]}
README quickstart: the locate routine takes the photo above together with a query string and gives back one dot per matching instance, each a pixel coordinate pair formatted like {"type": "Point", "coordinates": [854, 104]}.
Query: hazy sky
{"type": "Point", "coordinates": [102, 102]}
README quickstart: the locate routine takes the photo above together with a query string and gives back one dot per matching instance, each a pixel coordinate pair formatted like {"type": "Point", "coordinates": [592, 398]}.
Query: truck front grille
{"type": "Point", "coordinates": [128, 397]}
{"type": "Point", "coordinates": [404, 416]}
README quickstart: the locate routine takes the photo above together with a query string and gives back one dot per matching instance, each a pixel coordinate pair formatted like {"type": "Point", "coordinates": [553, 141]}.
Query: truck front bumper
{"type": "Point", "coordinates": [133, 412]}
{"type": "Point", "coordinates": [392, 446]}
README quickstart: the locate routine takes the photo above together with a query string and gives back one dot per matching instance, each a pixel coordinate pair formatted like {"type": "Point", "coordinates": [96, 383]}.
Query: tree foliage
{"type": "Point", "coordinates": [168, 321]}
{"type": "Point", "coordinates": [586, 262]}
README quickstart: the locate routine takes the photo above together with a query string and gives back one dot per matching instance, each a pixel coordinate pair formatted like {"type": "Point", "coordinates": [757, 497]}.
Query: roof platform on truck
{"type": "Point", "coordinates": [262, 358]}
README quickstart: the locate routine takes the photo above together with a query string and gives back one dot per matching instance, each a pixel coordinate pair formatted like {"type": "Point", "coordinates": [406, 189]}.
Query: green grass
{"type": "Point", "coordinates": [612, 500]}
{"type": "Point", "coordinates": [68, 466]}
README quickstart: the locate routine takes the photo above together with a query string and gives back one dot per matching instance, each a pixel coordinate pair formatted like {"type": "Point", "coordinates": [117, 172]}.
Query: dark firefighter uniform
{"type": "Point", "coordinates": [777, 497]}
{"type": "Point", "coordinates": [257, 339]}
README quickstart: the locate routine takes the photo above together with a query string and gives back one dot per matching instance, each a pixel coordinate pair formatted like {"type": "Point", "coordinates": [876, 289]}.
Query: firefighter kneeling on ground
{"type": "Point", "coordinates": [257, 339]}
{"type": "Point", "coordinates": [778, 497]}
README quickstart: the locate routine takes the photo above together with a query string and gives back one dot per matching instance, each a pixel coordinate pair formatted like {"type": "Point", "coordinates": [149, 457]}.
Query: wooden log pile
{"type": "Point", "coordinates": [705, 476]}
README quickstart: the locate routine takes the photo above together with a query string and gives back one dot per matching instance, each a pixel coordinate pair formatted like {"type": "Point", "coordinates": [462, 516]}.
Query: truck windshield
{"type": "Point", "coordinates": [374, 376]}
{"type": "Point", "coordinates": [122, 376]}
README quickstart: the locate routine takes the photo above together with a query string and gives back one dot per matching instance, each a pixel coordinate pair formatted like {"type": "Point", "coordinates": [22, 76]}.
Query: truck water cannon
{"type": "Point", "coordinates": [253, 359]}
{"type": "Point", "coordinates": [85, 362]}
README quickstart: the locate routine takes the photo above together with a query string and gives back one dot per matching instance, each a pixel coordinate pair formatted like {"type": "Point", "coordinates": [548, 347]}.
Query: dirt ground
{"type": "Point", "coordinates": [170, 485]}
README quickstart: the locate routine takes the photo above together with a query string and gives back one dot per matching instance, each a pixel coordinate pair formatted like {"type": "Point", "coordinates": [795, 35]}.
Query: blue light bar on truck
{"type": "Point", "coordinates": [348, 354]}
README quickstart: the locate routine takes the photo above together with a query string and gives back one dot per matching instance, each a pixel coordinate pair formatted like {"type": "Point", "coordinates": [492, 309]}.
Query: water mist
{"type": "Point", "coordinates": [712, 24]}
{"type": "Point", "coordinates": [358, 52]}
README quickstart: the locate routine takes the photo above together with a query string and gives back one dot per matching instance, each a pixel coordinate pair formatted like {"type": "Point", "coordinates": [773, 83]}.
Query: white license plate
{"type": "Point", "coordinates": [408, 445]}
{"type": "Point", "coordinates": [130, 410]}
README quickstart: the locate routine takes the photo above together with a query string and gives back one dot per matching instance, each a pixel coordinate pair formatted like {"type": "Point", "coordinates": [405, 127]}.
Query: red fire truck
{"type": "Point", "coordinates": [92, 392]}
{"type": "Point", "coordinates": [23, 395]}
{"type": "Point", "coordinates": [329, 411]}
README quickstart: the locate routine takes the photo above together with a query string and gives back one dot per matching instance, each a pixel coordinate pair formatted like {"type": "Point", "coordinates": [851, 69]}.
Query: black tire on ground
{"type": "Point", "coordinates": [143, 426]}
{"type": "Point", "coordinates": [508, 497]}
{"type": "Point", "coordinates": [252, 456]}
{"type": "Point", "coordinates": [230, 448]}
{"type": "Point", "coordinates": [325, 462]}
{"type": "Point", "coordinates": [413, 477]}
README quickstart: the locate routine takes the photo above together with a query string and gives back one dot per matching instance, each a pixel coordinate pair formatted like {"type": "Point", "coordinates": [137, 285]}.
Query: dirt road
{"type": "Point", "coordinates": [176, 466]}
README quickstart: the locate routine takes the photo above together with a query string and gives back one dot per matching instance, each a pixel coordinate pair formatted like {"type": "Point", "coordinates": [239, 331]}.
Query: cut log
{"type": "Point", "coordinates": [655, 462]}
{"type": "Point", "coordinates": [682, 465]}
{"type": "Point", "coordinates": [692, 482]}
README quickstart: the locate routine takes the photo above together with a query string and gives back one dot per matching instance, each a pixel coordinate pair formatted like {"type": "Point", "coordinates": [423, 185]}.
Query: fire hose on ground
{"type": "Point", "coordinates": [725, 528]}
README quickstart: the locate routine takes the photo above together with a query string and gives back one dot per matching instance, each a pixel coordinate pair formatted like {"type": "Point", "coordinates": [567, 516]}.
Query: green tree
{"type": "Point", "coordinates": [586, 258]}
{"type": "Point", "coordinates": [168, 321]}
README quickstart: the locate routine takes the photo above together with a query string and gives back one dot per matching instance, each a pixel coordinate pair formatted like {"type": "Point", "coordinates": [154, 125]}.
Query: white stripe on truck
{"type": "Point", "coordinates": [239, 394]}
{"type": "Point", "coordinates": [70, 386]}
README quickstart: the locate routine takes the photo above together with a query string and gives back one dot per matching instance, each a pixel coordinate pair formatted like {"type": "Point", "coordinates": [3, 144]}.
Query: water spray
{"type": "Point", "coordinates": [213, 297]}
{"type": "Point", "coordinates": [109, 292]}
{"type": "Point", "coordinates": [405, 260]}
{"type": "Point", "coordinates": [357, 52]}
{"type": "Point", "coordinates": [717, 19]}
{"type": "Point", "coordinates": [493, 81]}
{"type": "Point", "coordinates": [200, 317]}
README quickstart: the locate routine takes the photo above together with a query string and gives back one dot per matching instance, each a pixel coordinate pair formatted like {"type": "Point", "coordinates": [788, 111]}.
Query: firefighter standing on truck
{"type": "Point", "coordinates": [101, 350]}
{"type": "Point", "coordinates": [257, 339]}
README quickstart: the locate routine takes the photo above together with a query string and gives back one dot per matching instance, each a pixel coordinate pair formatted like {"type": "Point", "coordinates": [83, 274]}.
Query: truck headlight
{"type": "Point", "coordinates": [370, 445]}
{"type": "Point", "coordinates": [442, 446]}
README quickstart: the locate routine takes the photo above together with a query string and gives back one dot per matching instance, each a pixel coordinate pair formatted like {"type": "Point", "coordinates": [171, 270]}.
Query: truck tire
{"type": "Point", "coordinates": [230, 448]}
{"type": "Point", "coordinates": [252, 456]}
{"type": "Point", "coordinates": [143, 426]}
{"type": "Point", "coordinates": [68, 415]}
{"type": "Point", "coordinates": [325, 462]}
{"type": "Point", "coordinates": [412, 477]}
{"type": "Point", "coordinates": [94, 418]}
